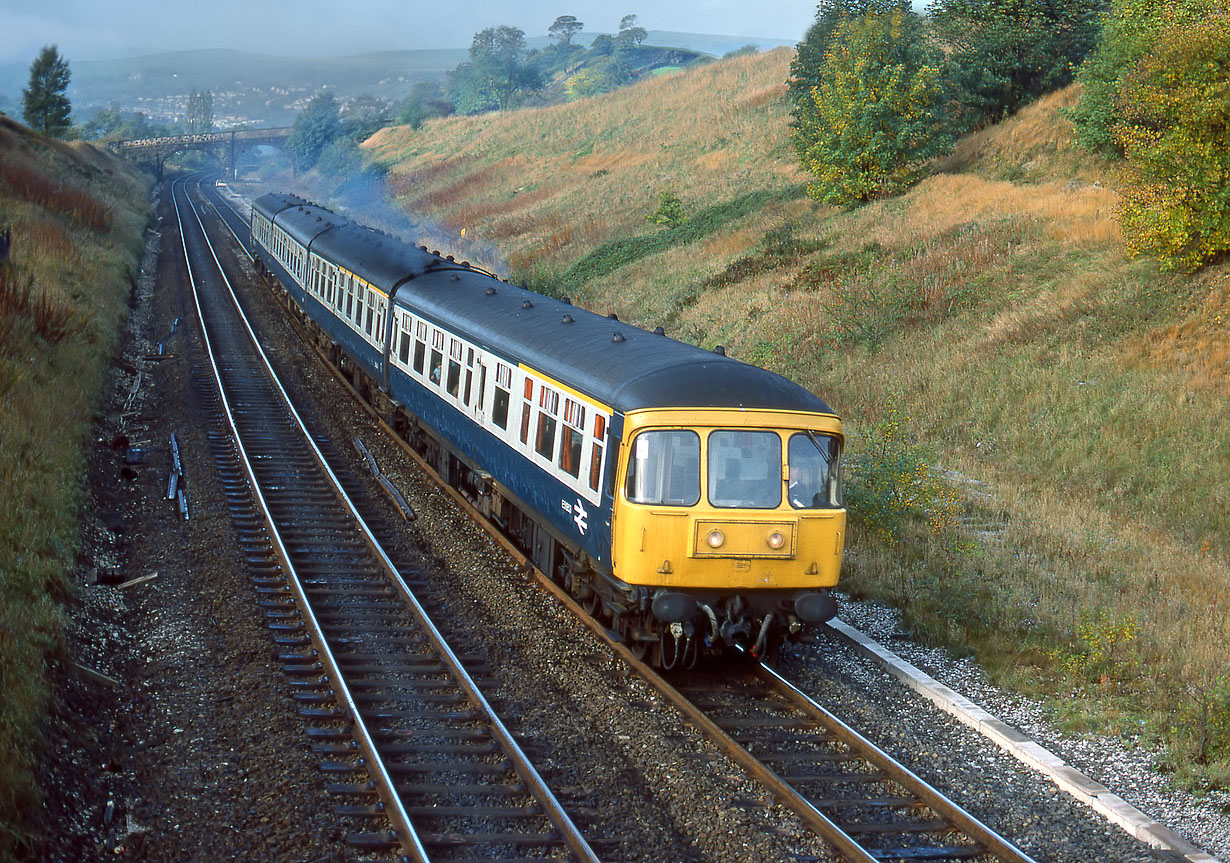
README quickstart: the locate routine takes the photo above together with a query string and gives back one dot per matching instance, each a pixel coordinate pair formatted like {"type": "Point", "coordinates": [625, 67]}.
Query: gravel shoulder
{"type": "Point", "coordinates": [190, 747]}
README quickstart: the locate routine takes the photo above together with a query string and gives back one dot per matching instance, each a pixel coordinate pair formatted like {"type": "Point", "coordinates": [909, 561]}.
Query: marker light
{"type": "Point", "coordinates": [715, 539]}
{"type": "Point", "coordinates": [776, 540]}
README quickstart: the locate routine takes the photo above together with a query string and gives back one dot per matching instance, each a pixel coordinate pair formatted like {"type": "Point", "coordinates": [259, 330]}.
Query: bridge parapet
{"type": "Point", "coordinates": [222, 144]}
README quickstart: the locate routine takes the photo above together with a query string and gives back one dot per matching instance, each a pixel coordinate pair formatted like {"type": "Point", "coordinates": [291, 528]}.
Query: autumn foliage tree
{"type": "Point", "coordinates": [1128, 36]}
{"type": "Point", "coordinates": [809, 58]}
{"type": "Point", "coordinates": [1174, 131]}
{"type": "Point", "coordinates": [876, 110]}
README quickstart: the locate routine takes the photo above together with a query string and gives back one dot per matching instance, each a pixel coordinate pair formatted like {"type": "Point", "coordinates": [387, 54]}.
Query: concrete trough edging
{"type": "Point", "coordinates": [1093, 794]}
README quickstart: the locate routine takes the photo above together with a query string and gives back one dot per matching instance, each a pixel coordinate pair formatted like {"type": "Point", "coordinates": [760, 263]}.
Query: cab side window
{"type": "Point", "coordinates": [664, 469]}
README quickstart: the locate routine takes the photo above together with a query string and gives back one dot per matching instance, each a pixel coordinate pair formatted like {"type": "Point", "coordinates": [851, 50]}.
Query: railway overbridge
{"type": "Point", "coordinates": [226, 146]}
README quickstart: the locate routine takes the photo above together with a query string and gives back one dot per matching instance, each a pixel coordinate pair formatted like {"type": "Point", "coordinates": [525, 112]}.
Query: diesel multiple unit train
{"type": "Point", "coordinates": [688, 500]}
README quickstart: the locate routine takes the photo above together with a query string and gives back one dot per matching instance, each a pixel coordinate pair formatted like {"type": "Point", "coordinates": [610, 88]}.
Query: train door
{"type": "Point", "coordinates": [475, 387]}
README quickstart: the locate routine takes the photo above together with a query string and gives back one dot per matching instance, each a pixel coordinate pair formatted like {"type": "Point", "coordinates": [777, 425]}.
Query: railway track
{"type": "Point", "coordinates": [840, 785]}
{"type": "Point", "coordinates": [413, 745]}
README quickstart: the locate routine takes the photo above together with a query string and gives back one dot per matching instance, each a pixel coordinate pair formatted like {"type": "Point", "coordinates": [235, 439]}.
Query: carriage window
{"type": "Point", "coordinates": [499, 413]}
{"type": "Point", "coordinates": [437, 361]}
{"type": "Point", "coordinates": [454, 377]}
{"type": "Point", "coordinates": [570, 450]}
{"type": "Point", "coordinates": [403, 351]}
{"type": "Point", "coordinates": [745, 469]}
{"type": "Point", "coordinates": [815, 471]}
{"type": "Point", "coordinates": [664, 468]}
{"type": "Point", "coordinates": [545, 442]}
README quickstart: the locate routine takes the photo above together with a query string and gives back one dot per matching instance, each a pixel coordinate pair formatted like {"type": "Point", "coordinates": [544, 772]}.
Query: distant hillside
{"type": "Point", "coordinates": [254, 88]}
{"type": "Point", "coordinates": [1074, 398]}
{"type": "Point", "coordinates": [271, 90]}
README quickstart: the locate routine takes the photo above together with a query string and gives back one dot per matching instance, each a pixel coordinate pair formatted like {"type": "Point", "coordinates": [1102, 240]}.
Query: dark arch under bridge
{"type": "Point", "coordinates": [225, 145]}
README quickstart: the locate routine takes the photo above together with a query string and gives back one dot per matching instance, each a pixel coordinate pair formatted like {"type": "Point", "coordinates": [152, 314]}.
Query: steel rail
{"type": "Point", "coordinates": [552, 809]}
{"type": "Point", "coordinates": [521, 763]}
{"type": "Point", "coordinates": [897, 772]}
{"type": "Point", "coordinates": [408, 837]}
{"type": "Point", "coordinates": [811, 816]}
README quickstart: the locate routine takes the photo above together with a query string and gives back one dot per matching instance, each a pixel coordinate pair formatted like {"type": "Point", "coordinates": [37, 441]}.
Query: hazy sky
{"type": "Point", "coordinates": [107, 29]}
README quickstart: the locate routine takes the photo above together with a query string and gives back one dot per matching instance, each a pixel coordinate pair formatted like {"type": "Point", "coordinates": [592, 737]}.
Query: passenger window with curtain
{"type": "Point", "coordinates": [664, 468]}
{"type": "Point", "coordinates": [595, 452]}
{"type": "Point", "coordinates": [544, 442]}
{"type": "Point", "coordinates": [572, 438]}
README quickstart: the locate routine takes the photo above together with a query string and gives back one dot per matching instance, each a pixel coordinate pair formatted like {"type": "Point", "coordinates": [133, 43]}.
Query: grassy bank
{"type": "Point", "coordinates": [1074, 398]}
{"type": "Point", "coordinates": [77, 218]}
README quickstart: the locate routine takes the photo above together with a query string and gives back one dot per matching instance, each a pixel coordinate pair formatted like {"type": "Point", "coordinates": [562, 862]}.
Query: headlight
{"type": "Point", "coordinates": [715, 539]}
{"type": "Point", "coordinates": [776, 540]}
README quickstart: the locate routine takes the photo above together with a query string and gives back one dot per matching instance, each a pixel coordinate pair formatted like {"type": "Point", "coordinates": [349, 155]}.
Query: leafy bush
{"type": "Point", "coordinates": [670, 210]}
{"type": "Point", "coordinates": [1101, 648]}
{"type": "Point", "coordinates": [1128, 36]}
{"type": "Point", "coordinates": [892, 484]}
{"type": "Point", "coordinates": [878, 110]}
{"type": "Point", "coordinates": [1172, 131]}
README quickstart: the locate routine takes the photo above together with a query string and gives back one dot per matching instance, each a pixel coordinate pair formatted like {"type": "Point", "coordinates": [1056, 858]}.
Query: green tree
{"type": "Point", "coordinates": [426, 100]}
{"type": "Point", "coordinates": [44, 105]}
{"type": "Point", "coordinates": [877, 110]}
{"type": "Point", "coordinates": [1128, 36]}
{"type": "Point", "coordinates": [112, 124]}
{"type": "Point", "coordinates": [588, 82]}
{"type": "Point", "coordinates": [630, 32]}
{"type": "Point", "coordinates": [1174, 131]}
{"type": "Point", "coordinates": [340, 158]}
{"type": "Point", "coordinates": [603, 45]}
{"type": "Point", "coordinates": [564, 28]}
{"type": "Point", "coordinates": [1004, 53]}
{"type": "Point", "coordinates": [363, 116]}
{"type": "Point", "coordinates": [317, 126]}
{"type": "Point", "coordinates": [810, 55]}
{"type": "Point", "coordinates": [499, 74]}
{"type": "Point", "coordinates": [200, 114]}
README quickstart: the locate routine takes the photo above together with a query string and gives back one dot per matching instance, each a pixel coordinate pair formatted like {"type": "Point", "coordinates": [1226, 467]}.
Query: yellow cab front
{"type": "Point", "coordinates": [716, 502]}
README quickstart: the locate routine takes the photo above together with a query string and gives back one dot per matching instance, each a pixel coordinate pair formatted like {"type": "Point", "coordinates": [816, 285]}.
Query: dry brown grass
{"type": "Point", "coordinates": [709, 134]}
{"type": "Point", "coordinates": [76, 236]}
{"type": "Point", "coordinates": [1083, 390]}
{"type": "Point", "coordinates": [1197, 347]}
